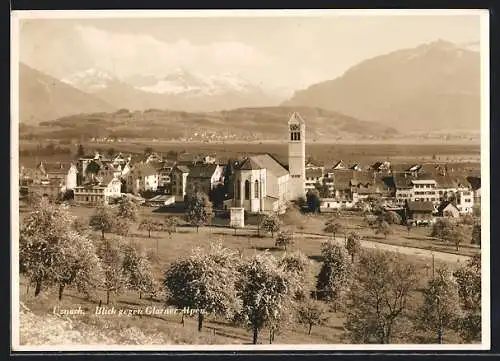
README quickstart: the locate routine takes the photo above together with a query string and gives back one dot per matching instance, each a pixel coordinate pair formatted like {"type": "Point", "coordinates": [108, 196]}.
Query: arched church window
{"type": "Point", "coordinates": [247, 189]}
{"type": "Point", "coordinates": [256, 189]}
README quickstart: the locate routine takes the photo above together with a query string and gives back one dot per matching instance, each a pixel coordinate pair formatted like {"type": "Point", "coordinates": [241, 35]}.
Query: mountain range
{"type": "Point", "coordinates": [42, 97]}
{"type": "Point", "coordinates": [179, 90]}
{"type": "Point", "coordinates": [434, 86]}
{"type": "Point", "coordinates": [431, 87]}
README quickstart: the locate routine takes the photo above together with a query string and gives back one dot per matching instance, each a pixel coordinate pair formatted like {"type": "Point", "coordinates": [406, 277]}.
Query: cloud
{"type": "Point", "coordinates": [132, 53]}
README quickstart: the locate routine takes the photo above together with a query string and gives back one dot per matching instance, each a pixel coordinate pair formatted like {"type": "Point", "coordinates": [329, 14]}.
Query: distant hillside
{"type": "Point", "coordinates": [42, 97]}
{"type": "Point", "coordinates": [431, 87]}
{"type": "Point", "coordinates": [266, 123]}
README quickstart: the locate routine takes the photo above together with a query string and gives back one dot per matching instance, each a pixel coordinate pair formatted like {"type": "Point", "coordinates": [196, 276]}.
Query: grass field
{"type": "Point", "coordinates": [216, 331]}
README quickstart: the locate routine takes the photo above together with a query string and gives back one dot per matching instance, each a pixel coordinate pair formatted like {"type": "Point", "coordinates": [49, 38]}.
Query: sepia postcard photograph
{"type": "Point", "coordinates": [250, 180]}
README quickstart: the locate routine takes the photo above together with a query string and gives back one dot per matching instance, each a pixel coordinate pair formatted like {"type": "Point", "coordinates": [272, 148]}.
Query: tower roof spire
{"type": "Point", "coordinates": [296, 118]}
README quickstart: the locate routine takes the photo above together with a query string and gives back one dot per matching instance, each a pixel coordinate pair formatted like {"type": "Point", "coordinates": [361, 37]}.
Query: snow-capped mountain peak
{"type": "Point", "coordinates": [182, 81]}
{"type": "Point", "coordinates": [90, 80]}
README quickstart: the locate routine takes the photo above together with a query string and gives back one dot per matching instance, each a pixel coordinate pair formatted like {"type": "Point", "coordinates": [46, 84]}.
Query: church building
{"type": "Point", "coordinates": [263, 184]}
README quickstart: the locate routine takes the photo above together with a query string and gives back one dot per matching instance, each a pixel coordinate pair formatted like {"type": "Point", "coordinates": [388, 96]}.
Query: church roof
{"type": "Point", "coordinates": [296, 118]}
{"type": "Point", "coordinates": [250, 164]}
{"type": "Point", "coordinates": [265, 161]}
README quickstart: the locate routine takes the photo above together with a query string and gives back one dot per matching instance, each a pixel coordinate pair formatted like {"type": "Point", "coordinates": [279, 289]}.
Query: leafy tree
{"type": "Point", "coordinates": [80, 226]}
{"type": "Point", "coordinates": [313, 201]}
{"type": "Point", "coordinates": [148, 150]}
{"type": "Point", "coordinates": [476, 234]}
{"type": "Point", "coordinates": [80, 151]}
{"type": "Point", "coordinates": [51, 251]}
{"type": "Point", "coordinates": [127, 210]}
{"type": "Point", "coordinates": [441, 228]}
{"type": "Point", "coordinates": [334, 274]}
{"type": "Point", "coordinates": [205, 281]}
{"type": "Point", "coordinates": [439, 309]}
{"type": "Point", "coordinates": [111, 152]}
{"type": "Point", "coordinates": [77, 264]}
{"type": "Point", "coordinates": [467, 220]}
{"type": "Point", "coordinates": [103, 220]}
{"type": "Point", "coordinates": [111, 256]}
{"type": "Point", "coordinates": [323, 190]}
{"type": "Point", "coordinates": [295, 263]}
{"type": "Point", "coordinates": [312, 313]}
{"type": "Point", "coordinates": [390, 217]}
{"type": "Point", "coordinates": [42, 240]}
{"type": "Point", "coordinates": [378, 297]}
{"type": "Point", "coordinates": [284, 239]}
{"type": "Point", "coordinates": [267, 292]}
{"type": "Point", "coordinates": [383, 228]}
{"type": "Point", "coordinates": [333, 227]}
{"type": "Point", "coordinates": [171, 223]}
{"type": "Point", "coordinates": [293, 217]}
{"type": "Point", "coordinates": [93, 168]}
{"type": "Point", "coordinates": [270, 223]}
{"type": "Point", "coordinates": [455, 236]}
{"type": "Point", "coordinates": [409, 226]}
{"type": "Point", "coordinates": [353, 244]}
{"type": "Point", "coordinates": [468, 279]}
{"type": "Point", "coordinates": [217, 196]}
{"type": "Point", "coordinates": [149, 224]}
{"type": "Point", "coordinates": [137, 271]}
{"type": "Point", "coordinates": [198, 210]}
{"type": "Point", "coordinates": [301, 202]}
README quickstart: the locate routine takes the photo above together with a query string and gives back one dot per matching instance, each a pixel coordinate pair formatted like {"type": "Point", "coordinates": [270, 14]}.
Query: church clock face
{"type": "Point", "coordinates": [294, 127]}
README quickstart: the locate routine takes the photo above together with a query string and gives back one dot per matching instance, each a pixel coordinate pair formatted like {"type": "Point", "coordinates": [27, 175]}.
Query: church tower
{"type": "Point", "coordinates": [297, 156]}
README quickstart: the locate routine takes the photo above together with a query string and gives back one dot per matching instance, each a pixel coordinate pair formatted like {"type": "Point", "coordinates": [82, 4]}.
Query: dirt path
{"type": "Point", "coordinates": [418, 252]}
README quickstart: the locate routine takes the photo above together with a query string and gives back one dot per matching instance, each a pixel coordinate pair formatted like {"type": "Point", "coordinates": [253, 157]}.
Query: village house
{"type": "Point", "coordinates": [448, 209]}
{"type": "Point", "coordinates": [340, 165]}
{"type": "Point", "coordinates": [187, 159]}
{"type": "Point", "coordinates": [208, 158]}
{"type": "Point", "coordinates": [165, 176]}
{"type": "Point", "coordinates": [204, 178]}
{"type": "Point", "coordinates": [313, 176]}
{"type": "Point", "coordinates": [329, 180]}
{"type": "Point", "coordinates": [84, 161]}
{"type": "Point", "coordinates": [475, 186]}
{"type": "Point", "coordinates": [95, 193]}
{"type": "Point", "coordinates": [421, 211]}
{"type": "Point", "coordinates": [356, 167]}
{"type": "Point", "coordinates": [313, 165]}
{"type": "Point", "coordinates": [333, 204]}
{"type": "Point", "coordinates": [179, 181]}
{"type": "Point", "coordinates": [120, 160]}
{"type": "Point", "coordinates": [63, 174]}
{"type": "Point", "coordinates": [153, 157]}
{"type": "Point", "coordinates": [142, 177]}
{"type": "Point", "coordinates": [465, 201]}
{"type": "Point", "coordinates": [381, 167]}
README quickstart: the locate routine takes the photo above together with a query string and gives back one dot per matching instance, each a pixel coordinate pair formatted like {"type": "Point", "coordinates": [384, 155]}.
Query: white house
{"type": "Point", "coordinates": [108, 188]}
{"type": "Point", "coordinates": [142, 177]}
{"type": "Point", "coordinates": [64, 173]}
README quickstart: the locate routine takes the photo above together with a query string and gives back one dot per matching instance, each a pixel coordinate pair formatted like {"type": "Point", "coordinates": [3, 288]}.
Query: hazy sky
{"type": "Point", "coordinates": [283, 52]}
